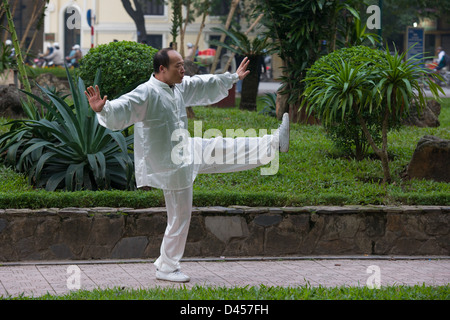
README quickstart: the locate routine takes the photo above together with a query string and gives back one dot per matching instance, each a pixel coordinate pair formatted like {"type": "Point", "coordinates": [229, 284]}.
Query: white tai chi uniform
{"type": "Point", "coordinates": [157, 111]}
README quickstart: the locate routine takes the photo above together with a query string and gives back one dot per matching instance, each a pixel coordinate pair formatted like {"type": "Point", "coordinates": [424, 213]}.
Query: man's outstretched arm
{"type": "Point", "coordinates": [209, 89]}
{"type": "Point", "coordinates": [122, 112]}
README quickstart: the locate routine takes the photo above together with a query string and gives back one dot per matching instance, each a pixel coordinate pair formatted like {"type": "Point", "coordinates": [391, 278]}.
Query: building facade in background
{"type": "Point", "coordinates": [112, 22]}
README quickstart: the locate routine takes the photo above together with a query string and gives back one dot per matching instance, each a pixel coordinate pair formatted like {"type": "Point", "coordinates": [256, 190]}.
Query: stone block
{"type": "Point", "coordinates": [3, 224]}
{"type": "Point", "coordinates": [129, 248]}
{"type": "Point", "coordinates": [153, 225]}
{"type": "Point", "coordinates": [225, 228]}
{"type": "Point", "coordinates": [61, 251]}
{"type": "Point", "coordinates": [106, 229]}
{"type": "Point", "coordinates": [267, 220]}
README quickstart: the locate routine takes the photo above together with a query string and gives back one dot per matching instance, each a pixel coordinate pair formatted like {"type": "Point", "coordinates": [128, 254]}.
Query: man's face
{"type": "Point", "coordinates": [175, 72]}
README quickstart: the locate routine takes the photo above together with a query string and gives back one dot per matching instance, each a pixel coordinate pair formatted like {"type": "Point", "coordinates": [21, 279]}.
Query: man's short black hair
{"type": "Point", "coordinates": [161, 58]}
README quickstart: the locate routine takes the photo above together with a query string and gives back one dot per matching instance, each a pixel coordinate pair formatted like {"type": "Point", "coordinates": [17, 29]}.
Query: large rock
{"type": "Point", "coordinates": [10, 96]}
{"type": "Point", "coordinates": [429, 116]}
{"type": "Point", "coordinates": [10, 105]}
{"type": "Point", "coordinates": [431, 160]}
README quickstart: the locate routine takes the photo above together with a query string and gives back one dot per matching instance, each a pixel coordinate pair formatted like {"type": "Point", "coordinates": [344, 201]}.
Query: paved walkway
{"type": "Point", "coordinates": [36, 279]}
{"type": "Point", "coordinates": [269, 87]}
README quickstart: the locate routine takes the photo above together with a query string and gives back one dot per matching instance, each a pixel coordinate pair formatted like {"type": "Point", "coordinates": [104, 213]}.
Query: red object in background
{"type": "Point", "coordinates": [432, 65]}
{"type": "Point", "coordinates": [207, 52]}
{"type": "Point", "coordinates": [229, 101]}
{"type": "Point", "coordinates": [206, 56]}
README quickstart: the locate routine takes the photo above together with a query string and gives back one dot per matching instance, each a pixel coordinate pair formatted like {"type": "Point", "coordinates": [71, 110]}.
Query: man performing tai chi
{"type": "Point", "coordinates": [157, 109]}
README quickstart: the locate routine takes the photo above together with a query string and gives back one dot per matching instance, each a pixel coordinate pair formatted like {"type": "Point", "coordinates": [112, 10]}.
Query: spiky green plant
{"type": "Point", "coordinates": [68, 149]}
{"type": "Point", "coordinates": [341, 88]}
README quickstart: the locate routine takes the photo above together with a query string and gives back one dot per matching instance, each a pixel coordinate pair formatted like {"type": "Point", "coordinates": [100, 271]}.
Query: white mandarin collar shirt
{"type": "Point", "coordinates": [157, 110]}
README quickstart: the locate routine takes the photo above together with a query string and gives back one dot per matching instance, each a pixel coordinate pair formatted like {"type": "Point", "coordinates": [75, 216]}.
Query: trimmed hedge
{"type": "Point", "coordinates": [124, 65]}
{"type": "Point", "coordinates": [154, 198]}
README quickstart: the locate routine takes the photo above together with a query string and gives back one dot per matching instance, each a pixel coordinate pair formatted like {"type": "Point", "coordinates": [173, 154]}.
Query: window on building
{"type": "Point", "coordinates": [153, 7]}
{"type": "Point", "coordinates": [155, 41]}
{"type": "Point", "coordinates": [220, 8]}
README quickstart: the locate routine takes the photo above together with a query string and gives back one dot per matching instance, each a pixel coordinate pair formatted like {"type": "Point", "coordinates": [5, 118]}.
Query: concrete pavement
{"type": "Point", "coordinates": [58, 278]}
{"type": "Point", "coordinates": [269, 87]}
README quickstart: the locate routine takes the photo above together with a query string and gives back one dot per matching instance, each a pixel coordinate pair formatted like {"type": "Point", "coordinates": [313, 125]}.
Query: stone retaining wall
{"type": "Point", "coordinates": [123, 233]}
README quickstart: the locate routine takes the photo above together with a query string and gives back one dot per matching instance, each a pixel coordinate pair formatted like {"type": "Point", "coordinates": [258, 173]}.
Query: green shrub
{"type": "Point", "coordinates": [7, 61]}
{"type": "Point", "coordinates": [270, 104]}
{"type": "Point", "coordinates": [338, 90]}
{"type": "Point", "coordinates": [346, 133]}
{"type": "Point", "coordinates": [124, 65]}
{"type": "Point", "coordinates": [67, 149]}
{"type": "Point", "coordinates": [82, 199]}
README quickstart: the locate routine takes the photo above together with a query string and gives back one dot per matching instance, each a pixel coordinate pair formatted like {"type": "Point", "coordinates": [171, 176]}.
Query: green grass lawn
{"type": "Point", "coordinates": [311, 167]}
{"type": "Point", "coordinates": [311, 173]}
{"type": "Point", "coordinates": [259, 293]}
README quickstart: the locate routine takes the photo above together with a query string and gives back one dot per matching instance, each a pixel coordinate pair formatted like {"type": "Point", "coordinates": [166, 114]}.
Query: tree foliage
{"type": "Point", "coordinates": [124, 65]}
{"type": "Point", "coordinates": [338, 88]}
{"type": "Point", "coordinates": [298, 28]}
{"type": "Point", "coordinates": [346, 131]}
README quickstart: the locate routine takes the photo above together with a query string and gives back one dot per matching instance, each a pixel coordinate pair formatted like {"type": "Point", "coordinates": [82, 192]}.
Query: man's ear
{"type": "Point", "coordinates": [161, 68]}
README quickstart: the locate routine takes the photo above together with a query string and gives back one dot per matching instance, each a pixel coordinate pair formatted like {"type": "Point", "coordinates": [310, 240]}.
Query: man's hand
{"type": "Point", "coordinates": [242, 71]}
{"type": "Point", "coordinates": [94, 98]}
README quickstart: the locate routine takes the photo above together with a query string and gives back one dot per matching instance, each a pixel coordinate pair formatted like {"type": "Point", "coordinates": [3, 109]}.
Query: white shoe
{"type": "Point", "coordinates": [283, 133]}
{"type": "Point", "coordinates": [175, 276]}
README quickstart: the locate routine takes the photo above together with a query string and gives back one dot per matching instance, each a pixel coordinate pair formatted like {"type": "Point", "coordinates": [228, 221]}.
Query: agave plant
{"type": "Point", "coordinates": [68, 149]}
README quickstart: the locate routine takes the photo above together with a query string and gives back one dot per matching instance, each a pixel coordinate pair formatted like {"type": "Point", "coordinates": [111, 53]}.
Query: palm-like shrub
{"type": "Point", "coordinates": [345, 88]}
{"type": "Point", "coordinates": [68, 149]}
{"type": "Point", "coordinates": [346, 132]}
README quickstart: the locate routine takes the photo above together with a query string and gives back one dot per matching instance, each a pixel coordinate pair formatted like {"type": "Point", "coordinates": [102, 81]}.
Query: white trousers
{"type": "Point", "coordinates": [243, 151]}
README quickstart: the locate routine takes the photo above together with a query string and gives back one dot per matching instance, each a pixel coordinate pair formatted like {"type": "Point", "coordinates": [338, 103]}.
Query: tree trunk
{"type": "Point", "coordinates": [234, 4]}
{"type": "Point", "coordinates": [250, 86]}
{"type": "Point", "coordinates": [200, 32]}
{"type": "Point", "coordinates": [183, 30]}
{"type": "Point", "coordinates": [381, 153]}
{"type": "Point", "coordinates": [281, 105]}
{"type": "Point", "coordinates": [301, 116]}
{"type": "Point", "coordinates": [385, 156]}
{"type": "Point", "coordinates": [138, 18]}
{"type": "Point", "coordinates": [359, 153]}
{"type": "Point", "coordinates": [37, 9]}
{"type": "Point", "coordinates": [20, 64]}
